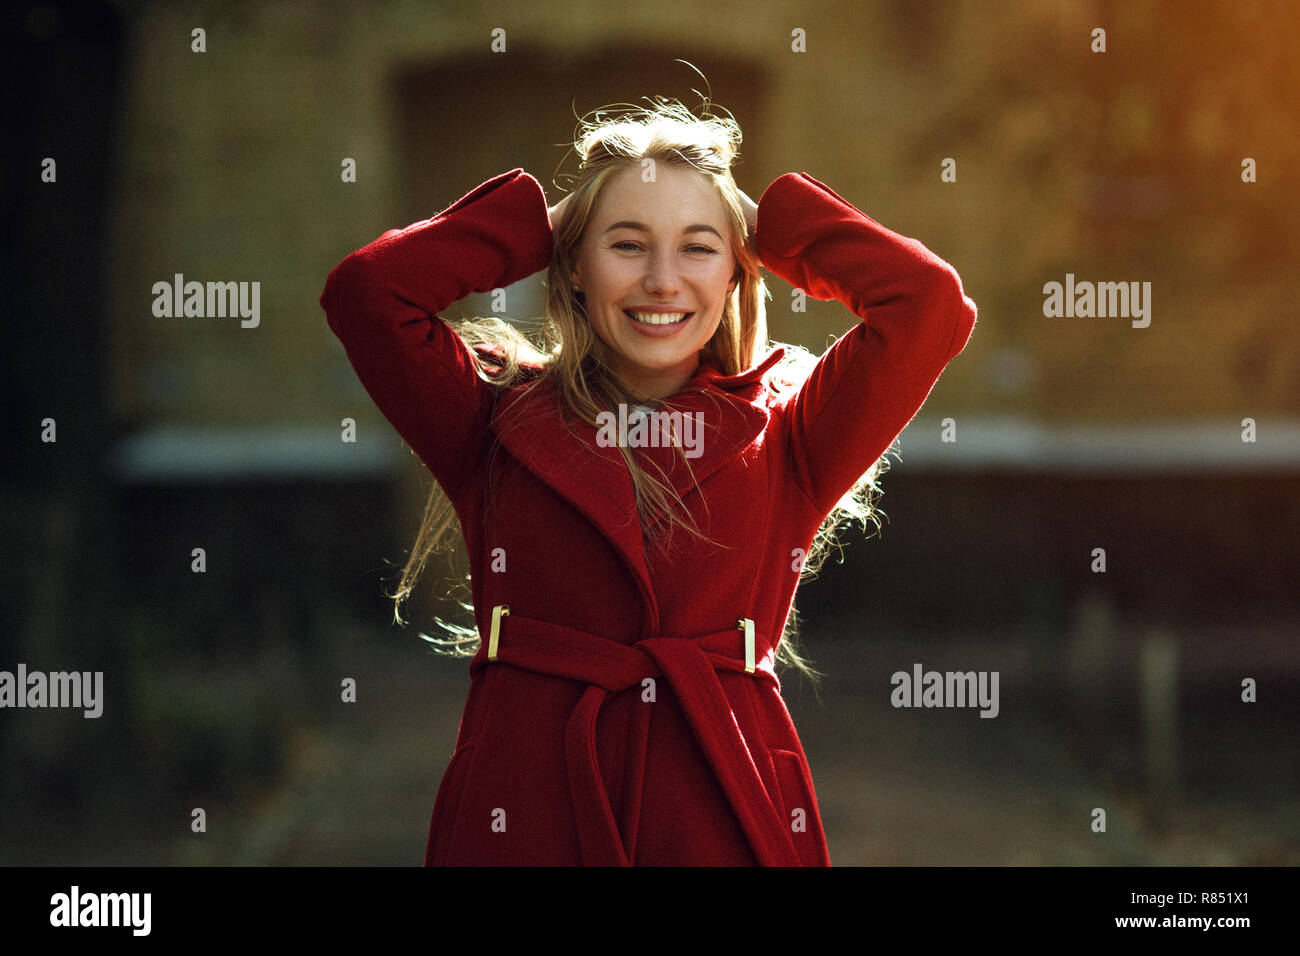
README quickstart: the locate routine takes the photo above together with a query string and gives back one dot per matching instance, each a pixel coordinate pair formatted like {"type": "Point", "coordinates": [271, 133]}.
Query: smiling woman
{"type": "Point", "coordinates": [624, 706]}
{"type": "Point", "coordinates": [654, 290]}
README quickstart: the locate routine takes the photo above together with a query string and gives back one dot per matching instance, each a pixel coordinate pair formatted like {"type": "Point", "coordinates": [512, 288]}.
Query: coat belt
{"type": "Point", "coordinates": [690, 665]}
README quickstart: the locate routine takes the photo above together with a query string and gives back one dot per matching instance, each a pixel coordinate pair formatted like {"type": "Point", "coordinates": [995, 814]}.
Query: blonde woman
{"type": "Point", "coordinates": [641, 488]}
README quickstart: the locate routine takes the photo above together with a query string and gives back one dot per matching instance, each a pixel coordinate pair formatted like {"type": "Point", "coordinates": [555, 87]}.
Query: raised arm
{"type": "Point", "coordinates": [872, 381]}
{"type": "Point", "coordinates": [383, 300]}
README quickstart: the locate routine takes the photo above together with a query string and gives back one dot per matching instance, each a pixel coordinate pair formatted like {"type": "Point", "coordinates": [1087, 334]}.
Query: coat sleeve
{"type": "Point", "coordinates": [872, 381]}
{"type": "Point", "coordinates": [383, 300]}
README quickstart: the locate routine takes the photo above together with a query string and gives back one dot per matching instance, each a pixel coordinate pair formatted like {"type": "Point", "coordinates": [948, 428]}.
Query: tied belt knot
{"type": "Point", "coordinates": [690, 664]}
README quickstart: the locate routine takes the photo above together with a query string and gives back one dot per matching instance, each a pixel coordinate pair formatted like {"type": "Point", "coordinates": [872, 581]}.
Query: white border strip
{"type": "Point", "coordinates": [1017, 443]}
{"type": "Point", "coordinates": [203, 453]}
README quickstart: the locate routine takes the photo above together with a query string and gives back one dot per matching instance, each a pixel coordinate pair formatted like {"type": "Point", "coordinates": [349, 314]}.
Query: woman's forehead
{"type": "Point", "coordinates": [673, 198]}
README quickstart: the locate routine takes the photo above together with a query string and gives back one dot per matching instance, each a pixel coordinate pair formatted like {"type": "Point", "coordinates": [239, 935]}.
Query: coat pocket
{"type": "Point", "coordinates": [442, 826]}
{"type": "Point", "coordinates": [798, 807]}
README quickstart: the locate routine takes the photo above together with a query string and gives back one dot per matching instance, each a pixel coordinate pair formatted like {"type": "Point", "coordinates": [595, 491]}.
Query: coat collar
{"type": "Point", "coordinates": [596, 481]}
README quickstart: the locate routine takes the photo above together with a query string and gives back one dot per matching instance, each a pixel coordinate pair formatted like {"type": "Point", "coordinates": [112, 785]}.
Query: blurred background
{"type": "Point", "coordinates": [1119, 689]}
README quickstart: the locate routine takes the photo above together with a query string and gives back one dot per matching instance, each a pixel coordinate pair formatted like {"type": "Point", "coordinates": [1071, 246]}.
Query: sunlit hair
{"type": "Point", "coordinates": [569, 352]}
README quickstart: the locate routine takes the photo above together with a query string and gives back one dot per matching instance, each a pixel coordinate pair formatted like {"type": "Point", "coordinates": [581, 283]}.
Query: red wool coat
{"type": "Point", "coordinates": [626, 711]}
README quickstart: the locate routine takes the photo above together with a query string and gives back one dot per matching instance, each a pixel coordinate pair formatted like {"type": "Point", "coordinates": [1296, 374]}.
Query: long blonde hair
{"type": "Point", "coordinates": [576, 358]}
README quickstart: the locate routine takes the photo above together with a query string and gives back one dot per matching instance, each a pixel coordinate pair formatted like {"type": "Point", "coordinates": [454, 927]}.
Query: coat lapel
{"type": "Point", "coordinates": [596, 481]}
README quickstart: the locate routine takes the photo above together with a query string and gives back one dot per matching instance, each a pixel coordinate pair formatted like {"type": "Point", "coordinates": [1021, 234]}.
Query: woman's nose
{"type": "Point", "coordinates": [661, 276]}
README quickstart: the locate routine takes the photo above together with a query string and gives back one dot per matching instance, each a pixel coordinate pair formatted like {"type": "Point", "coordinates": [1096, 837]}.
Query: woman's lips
{"type": "Point", "coordinates": [659, 331]}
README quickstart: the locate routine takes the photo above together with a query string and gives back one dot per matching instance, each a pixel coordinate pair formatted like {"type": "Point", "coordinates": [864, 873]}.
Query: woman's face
{"type": "Point", "coordinates": [656, 250]}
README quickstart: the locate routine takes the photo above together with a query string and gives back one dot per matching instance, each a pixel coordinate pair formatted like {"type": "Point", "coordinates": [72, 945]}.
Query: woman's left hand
{"type": "Point", "coordinates": [751, 210]}
{"type": "Point", "coordinates": [556, 211]}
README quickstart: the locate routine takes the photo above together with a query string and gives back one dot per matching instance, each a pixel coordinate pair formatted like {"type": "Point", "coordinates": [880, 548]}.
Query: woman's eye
{"type": "Point", "coordinates": [629, 244]}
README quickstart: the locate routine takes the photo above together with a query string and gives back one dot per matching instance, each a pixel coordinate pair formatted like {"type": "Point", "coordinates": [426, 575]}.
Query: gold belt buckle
{"type": "Point", "coordinates": [747, 626]}
{"type": "Point", "coordinates": [494, 639]}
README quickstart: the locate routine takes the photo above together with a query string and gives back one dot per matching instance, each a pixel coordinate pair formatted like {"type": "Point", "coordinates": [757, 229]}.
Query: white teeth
{"type": "Point", "coordinates": [658, 318]}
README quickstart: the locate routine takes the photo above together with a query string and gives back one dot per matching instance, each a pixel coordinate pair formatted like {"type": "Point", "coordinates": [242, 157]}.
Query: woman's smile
{"type": "Point", "coordinates": [656, 323]}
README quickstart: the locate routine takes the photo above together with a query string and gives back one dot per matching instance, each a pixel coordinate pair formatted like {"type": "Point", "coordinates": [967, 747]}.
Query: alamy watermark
{"type": "Point", "coordinates": [642, 428]}
{"type": "Point", "coordinates": [946, 689]}
{"type": "Point", "coordinates": [76, 908]}
{"type": "Point", "coordinates": [26, 688]}
{"type": "Point", "coordinates": [178, 298]}
{"type": "Point", "coordinates": [1129, 300]}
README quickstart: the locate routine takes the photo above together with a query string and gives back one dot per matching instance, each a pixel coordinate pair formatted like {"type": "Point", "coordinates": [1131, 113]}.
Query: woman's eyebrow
{"type": "Point", "coordinates": [642, 227]}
